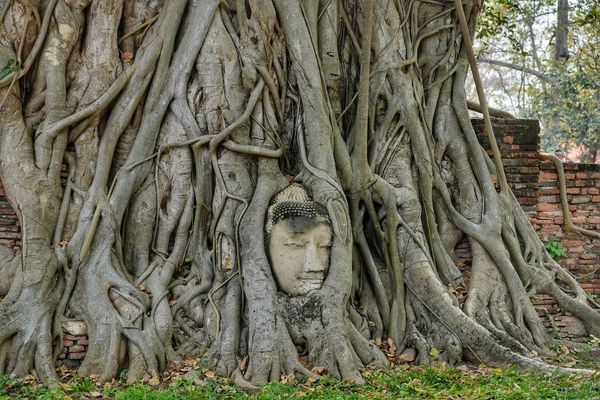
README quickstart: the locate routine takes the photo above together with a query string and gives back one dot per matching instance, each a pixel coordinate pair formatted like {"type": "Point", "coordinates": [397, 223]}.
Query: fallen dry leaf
{"type": "Point", "coordinates": [319, 370]}
{"type": "Point", "coordinates": [569, 364]}
{"type": "Point", "coordinates": [391, 347]}
{"type": "Point", "coordinates": [66, 388]}
{"type": "Point", "coordinates": [210, 374]}
{"type": "Point", "coordinates": [154, 381]}
{"type": "Point", "coordinates": [288, 378]}
{"type": "Point", "coordinates": [244, 363]}
{"type": "Point", "coordinates": [126, 57]}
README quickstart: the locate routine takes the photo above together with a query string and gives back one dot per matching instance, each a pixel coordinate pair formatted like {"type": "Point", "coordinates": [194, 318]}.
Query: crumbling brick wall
{"type": "Point", "coordinates": [74, 349]}
{"type": "Point", "coordinates": [535, 183]}
{"type": "Point", "coordinates": [10, 231]}
{"type": "Point", "coordinates": [583, 252]}
{"type": "Point", "coordinates": [583, 193]}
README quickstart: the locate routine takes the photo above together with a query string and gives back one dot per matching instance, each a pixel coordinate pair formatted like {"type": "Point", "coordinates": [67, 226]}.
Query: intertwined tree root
{"type": "Point", "coordinates": [179, 120]}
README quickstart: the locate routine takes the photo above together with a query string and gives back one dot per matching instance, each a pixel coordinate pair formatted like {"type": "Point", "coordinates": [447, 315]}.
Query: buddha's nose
{"type": "Point", "coordinates": [312, 262]}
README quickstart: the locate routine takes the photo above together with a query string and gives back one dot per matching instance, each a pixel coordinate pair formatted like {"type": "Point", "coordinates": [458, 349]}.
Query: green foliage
{"type": "Point", "coordinates": [434, 353]}
{"type": "Point", "coordinates": [556, 250]}
{"type": "Point", "coordinates": [567, 102]}
{"type": "Point", "coordinates": [591, 296]}
{"type": "Point", "coordinates": [123, 375]}
{"type": "Point", "coordinates": [576, 112]}
{"type": "Point", "coordinates": [435, 382]}
{"type": "Point", "coordinates": [497, 19]}
{"type": "Point", "coordinates": [11, 66]}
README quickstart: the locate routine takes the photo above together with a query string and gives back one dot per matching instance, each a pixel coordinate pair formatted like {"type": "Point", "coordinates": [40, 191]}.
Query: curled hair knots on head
{"type": "Point", "coordinates": [294, 201]}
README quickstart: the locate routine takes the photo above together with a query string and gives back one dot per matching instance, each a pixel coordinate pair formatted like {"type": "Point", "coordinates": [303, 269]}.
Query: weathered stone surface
{"type": "Point", "coordinates": [75, 328]}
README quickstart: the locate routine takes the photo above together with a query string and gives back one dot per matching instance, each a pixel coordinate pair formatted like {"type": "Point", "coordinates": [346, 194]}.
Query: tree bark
{"type": "Point", "coordinates": [561, 42]}
{"type": "Point", "coordinates": [141, 144]}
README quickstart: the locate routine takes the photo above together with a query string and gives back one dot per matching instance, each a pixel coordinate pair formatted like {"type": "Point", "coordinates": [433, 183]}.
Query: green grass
{"type": "Point", "coordinates": [398, 383]}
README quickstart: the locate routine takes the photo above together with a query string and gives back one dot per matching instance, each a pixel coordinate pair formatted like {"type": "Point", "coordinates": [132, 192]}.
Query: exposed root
{"type": "Point", "coordinates": [173, 135]}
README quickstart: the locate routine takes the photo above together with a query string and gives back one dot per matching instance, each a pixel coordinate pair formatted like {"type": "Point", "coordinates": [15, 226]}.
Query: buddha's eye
{"type": "Point", "coordinates": [295, 245]}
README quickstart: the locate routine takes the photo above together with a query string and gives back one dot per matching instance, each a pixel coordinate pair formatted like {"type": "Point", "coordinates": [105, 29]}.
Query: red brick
{"type": "Point", "coordinates": [573, 190]}
{"type": "Point", "coordinates": [547, 164]}
{"type": "Point", "coordinates": [76, 349]}
{"type": "Point", "coordinates": [76, 356]}
{"type": "Point", "coordinates": [549, 214]}
{"type": "Point", "coordinates": [524, 201]}
{"type": "Point", "coordinates": [507, 139]}
{"type": "Point", "coordinates": [547, 190]}
{"type": "Point", "coordinates": [581, 199]}
{"type": "Point", "coordinates": [581, 183]}
{"type": "Point", "coordinates": [546, 222]}
{"type": "Point", "coordinates": [547, 176]}
{"type": "Point", "coordinates": [586, 262]}
{"type": "Point", "coordinates": [547, 207]}
{"type": "Point", "coordinates": [550, 229]}
{"type": "Point", "coordinates": [528, 170]}
{"type": "Point", "coordinates": [67, 343]}
{"type": "Point", "coordinates": [579, 213]}
{"type": "Point", "coordinates": [596, 199]}
{"type": "Point", "coordinates": [570, 243]}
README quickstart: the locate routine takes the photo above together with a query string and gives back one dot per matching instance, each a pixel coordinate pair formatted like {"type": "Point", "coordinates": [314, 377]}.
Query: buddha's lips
{"type": "Point", "coordinates": [314, 281]}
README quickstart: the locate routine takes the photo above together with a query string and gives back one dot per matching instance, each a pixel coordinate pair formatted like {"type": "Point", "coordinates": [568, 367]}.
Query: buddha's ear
{"type": "Point", "coordinates": [339, 219]}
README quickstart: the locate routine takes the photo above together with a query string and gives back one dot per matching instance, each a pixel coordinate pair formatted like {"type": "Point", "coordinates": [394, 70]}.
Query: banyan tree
{"type": "Point", "coordinates": [279, 184]}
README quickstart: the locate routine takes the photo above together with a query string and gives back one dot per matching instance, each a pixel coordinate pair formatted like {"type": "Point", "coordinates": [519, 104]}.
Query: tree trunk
{"type": "Point", "coordinates": [561, 44]}
{"type": "Point", "coordinates": [143, 143]}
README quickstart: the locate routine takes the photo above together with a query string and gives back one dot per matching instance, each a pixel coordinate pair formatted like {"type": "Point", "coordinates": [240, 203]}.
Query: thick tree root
{"type": "Point", "coordinates": [158, 241]}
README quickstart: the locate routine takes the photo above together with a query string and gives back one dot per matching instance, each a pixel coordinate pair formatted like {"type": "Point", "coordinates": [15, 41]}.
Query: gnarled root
{"type": "Point", "coordinates": [26, 317]}
{"type": "Point", "coordinates": [329, 341]}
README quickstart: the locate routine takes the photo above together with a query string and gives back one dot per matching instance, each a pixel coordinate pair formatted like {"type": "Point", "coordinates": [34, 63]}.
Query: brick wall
{"type": "Point", "coordinates": [75, 348]}
{"type": "Point", "coordinates": [583, 193]}
{"type": "Point", "coordinates": [535, 184]}
{"type": "Point", "coordinates": [518, 141]}
{"type": "Point", "coordinates": [10, 231]}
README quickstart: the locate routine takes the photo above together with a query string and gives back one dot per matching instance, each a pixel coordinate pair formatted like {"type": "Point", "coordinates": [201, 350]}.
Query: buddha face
{"type": "Point", "coordinates": [299, 252]}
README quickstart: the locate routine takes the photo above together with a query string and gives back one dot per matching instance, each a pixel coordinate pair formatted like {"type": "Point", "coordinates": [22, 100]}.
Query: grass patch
{"type": "Point", "coordinates": [401, 382]}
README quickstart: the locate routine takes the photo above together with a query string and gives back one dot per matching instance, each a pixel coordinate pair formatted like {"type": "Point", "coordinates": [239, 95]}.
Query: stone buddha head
{"type": "Point", "coordinates": [298, 236]}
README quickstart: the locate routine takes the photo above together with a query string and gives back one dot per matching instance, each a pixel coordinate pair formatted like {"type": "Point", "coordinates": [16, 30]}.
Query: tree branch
{"type": "Point", "coordinates": [516, 67]}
